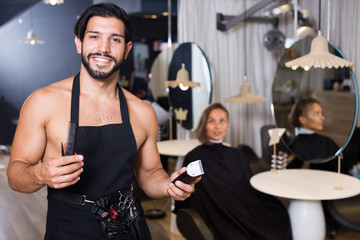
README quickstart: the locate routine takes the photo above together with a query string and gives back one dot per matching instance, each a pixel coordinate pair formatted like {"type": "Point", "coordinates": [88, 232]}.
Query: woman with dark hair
{"type": "Point", "coordinates": [224, 198]}
{"type": "Point", "coordinates": [307, 118]}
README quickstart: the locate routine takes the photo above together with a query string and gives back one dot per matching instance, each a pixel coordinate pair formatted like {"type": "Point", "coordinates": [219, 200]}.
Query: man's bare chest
{"type": "Point", "coordinates": [99, 116]}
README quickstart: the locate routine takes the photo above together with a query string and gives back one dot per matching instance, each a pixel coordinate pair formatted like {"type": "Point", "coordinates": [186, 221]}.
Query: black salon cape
{"type": "Point", "coordinates": [312, 148]}
{"type": "Point", "coordinates": [228, 203]}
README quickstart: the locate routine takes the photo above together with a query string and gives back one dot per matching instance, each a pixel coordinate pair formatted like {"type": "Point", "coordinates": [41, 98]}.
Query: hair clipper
{"type": "Point", "coordinates": [193, 170]}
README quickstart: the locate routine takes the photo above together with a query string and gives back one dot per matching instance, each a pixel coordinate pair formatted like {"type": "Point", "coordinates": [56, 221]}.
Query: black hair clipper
{"type": "Point", "coordinates": [193, 170]}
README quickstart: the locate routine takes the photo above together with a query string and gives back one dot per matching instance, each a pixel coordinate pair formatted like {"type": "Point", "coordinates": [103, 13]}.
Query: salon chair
{"type": "Point", "coordinates": [189, 222]}
{"type": "Point", "coordinates": [257, 165]}
{"type": "Point", "coordinates": [192, 226]}
{"type": "Point", "coordinates": [346, 212]}
{"type": "Point", "coordinates": [351, 152]}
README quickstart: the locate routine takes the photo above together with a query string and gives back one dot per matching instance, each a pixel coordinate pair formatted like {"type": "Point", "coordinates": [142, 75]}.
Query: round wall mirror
{"type": "Point", "coordinates": [193, 100]}
{"type": "Point", "coordinates": [160, 71]}
{"type": "Point", "coordinates": [334, 89]}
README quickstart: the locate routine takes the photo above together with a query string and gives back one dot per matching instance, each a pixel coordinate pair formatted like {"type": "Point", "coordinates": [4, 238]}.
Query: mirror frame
{"type": "Point", "coordinates": [356, 102]}
{"type": "Point", "coordinates": [356, 106]}
{"type": "Point", "coordinates": [160, 70]}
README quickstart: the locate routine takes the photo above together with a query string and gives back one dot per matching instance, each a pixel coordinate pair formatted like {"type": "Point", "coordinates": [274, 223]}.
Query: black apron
{"type": "Point", "coordinates": [109, 157]}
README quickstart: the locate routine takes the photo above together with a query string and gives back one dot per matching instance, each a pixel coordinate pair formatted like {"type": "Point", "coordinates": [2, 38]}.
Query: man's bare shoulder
{"type": "Point", "coordinates": [52, 93]}
{"type": "Point", "coordinates": [143, 119]}
{"type": "Point", "coordinates": [48, 102]}
{"type": "Point", "coordinates": [138, 106]}
{"type": "Point", "coordinates": [141, 113]}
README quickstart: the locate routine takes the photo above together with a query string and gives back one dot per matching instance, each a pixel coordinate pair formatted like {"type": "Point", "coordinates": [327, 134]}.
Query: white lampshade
{"type": "Point", "coordinates": [31, 38]}
{"type": "Point", "coordinates": [182, 80]}
{"type": "Point", "coordinates": [319, 57]}
{"type": "Point", "coordinates": [275, 135]}
{"type": "Point", "coordinates": [245, 95]}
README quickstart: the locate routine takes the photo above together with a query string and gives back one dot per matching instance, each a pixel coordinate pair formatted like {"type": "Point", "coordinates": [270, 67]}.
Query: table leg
{"type": "Point", "coordinates": [307, 220]}
{"type": "Point", "coordinates": [179, 163]}
{"type": "Point", "coordinates": [173, 227]}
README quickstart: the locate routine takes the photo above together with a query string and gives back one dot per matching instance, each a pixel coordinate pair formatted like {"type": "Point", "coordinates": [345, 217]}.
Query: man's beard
{"type": "Point", "coordinates": [99, 74]}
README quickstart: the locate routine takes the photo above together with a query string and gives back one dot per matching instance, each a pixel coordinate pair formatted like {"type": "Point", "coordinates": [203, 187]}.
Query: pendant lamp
{"type": "Point", "coordinates": [319, 56]}
{"type": "Point", "coordinates": [182, 80]}
{"type": "Point", "coordinates": [30, 36]}
{"type": "Point", "coordinates": [182, 76]}
{"type": "Point", "coordinates": [245, 95]}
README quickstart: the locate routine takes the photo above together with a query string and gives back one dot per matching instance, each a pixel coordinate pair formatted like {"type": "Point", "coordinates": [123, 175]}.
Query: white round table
{"type": "Point", "coordinates": [177, 148]}
{"type": "Point", "coordinates": [306, 188]}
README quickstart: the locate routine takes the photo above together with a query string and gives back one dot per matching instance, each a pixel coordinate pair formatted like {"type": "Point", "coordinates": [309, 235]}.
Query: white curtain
{"type": "Point", "coordinates": [225, 53]}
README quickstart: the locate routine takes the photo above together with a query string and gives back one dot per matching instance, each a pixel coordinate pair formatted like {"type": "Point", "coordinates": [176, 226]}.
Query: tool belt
{"type": "Point", "coordinates": [117, 214]}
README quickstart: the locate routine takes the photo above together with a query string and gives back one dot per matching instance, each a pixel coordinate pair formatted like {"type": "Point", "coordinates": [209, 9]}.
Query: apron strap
{"type": "Point", "coordinates": [123, 106]}
{"type": "Point", "coordinates": [75, 100]}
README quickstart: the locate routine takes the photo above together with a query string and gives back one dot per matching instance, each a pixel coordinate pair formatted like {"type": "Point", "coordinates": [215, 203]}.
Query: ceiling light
{"type": "Point", "coordinates": [153, 16]}
{"type": "Point", "coordinates": [31, 38]}
{"type": "Point", "coordinates": [319, 57]}
{"type": "Point", "coordinates": [182, 80]}
{"type": "Point", "coordinates": [53, 2]}
{"type": "Point", "coordinates": [245, 95]}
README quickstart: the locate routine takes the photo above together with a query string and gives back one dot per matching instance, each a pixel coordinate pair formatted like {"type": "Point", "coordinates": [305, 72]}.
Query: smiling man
{"type": "Point", "coordinates": [115, 135]}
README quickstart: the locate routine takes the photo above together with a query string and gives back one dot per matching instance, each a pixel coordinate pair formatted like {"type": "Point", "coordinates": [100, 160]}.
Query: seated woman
{"type": "Point", "coordinates": [224, 197]}
{"type": "Point", "coordinates": [307, 118]}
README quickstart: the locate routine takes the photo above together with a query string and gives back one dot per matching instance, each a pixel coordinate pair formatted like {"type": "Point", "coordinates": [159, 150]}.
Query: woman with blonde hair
{"type": "Point", "coordinates": [224, 198]}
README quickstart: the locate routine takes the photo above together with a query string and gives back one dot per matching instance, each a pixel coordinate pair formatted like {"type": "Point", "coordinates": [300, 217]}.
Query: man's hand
{"type": "Point", "coordinates": [60, 172]}
{"type": "Point", "coordinates": [180, 191]}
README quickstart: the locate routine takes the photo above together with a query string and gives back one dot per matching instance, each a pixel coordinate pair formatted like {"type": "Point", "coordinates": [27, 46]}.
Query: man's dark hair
{"type": "Point", "coordinates": [103, 10]}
